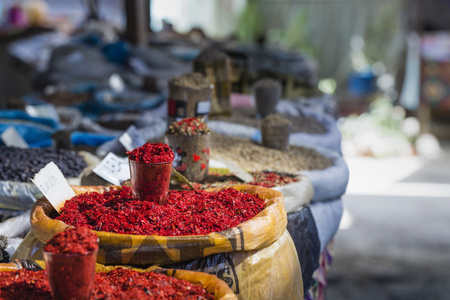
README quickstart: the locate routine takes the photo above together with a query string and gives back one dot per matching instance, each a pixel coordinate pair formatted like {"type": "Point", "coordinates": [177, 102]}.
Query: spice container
{"type": "Point", "coordinates": [150, 171]}
{"type": "Point", "coordinates": [189, 140]}
{"type": "Point", "coordinates": [70, 258]}
{"type": "Point", "coordinates": [216, 66]}
{"type": "Point", "coordinates": [275, 132]}
{"type": "Point", "coordinates": [267, 93]}
{"type": "Point", "coordinates": [189, 96]}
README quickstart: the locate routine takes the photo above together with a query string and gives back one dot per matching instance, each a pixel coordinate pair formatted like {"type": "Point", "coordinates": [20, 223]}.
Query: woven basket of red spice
{"type": "Point", "coordinates": [144, 250]}
{"type": "Point", "coordinates": [207, 286]}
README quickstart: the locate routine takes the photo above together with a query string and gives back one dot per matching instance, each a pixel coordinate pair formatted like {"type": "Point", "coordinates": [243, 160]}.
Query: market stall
{"type": "Point", "coordinates": [170, 168]}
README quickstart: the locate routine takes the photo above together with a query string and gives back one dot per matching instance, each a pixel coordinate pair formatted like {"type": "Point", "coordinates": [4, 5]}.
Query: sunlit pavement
{"type": "Point", "coordinates": [394, 238]}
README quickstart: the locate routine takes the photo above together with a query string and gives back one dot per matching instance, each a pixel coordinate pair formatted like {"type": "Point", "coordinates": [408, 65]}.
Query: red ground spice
{"type": "Point", "coordinates": [185, 213]}
{"type": "Point", "coordinates": [152, 153]}
{"type": "Point", "coordinates": [188, 126]}
{"type": "Point", "coordinates": [264, 179]}
{"type": "Point", "coordinates": [78, 240]}
{"type": "Point", "coordinates": [116, 284]}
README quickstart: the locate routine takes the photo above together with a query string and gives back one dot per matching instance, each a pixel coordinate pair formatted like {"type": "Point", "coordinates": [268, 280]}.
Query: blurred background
{"type": "Point", "coordinates": [380, 68]}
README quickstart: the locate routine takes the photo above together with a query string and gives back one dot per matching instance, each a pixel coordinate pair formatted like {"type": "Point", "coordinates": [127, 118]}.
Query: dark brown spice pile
{"type": "Point", "coordinates": [186, 212]}
{"type": "Point", "coordinates": [63, 98]}
{"type": "Point", "coordinates": [18, 164]}
{"type": "Point", "coordinates": [267, 83]}
{"type": "Point", "coordinates": [113, 285]}
{"type": "Point", "coordinates": [210, 55]}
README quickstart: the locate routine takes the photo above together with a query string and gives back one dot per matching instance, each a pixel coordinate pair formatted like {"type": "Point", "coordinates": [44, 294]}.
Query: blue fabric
{"type": "Point", "coordinates": [90, 139]}
{"type": "Point", "coordinates": [33, 135]}
{"type": "Point", "coordinates": [21, 115]}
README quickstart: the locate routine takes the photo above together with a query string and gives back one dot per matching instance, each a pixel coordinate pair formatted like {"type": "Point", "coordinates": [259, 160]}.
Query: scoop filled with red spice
{"type": "Point", "coordinates": [70, 258]}
{"type": "Point", "coordinates": [150, 170]}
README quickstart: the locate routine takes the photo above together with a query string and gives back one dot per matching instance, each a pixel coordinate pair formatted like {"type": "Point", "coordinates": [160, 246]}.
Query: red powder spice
{"type": "Point", "coordinates": [78, 240]}
{"type": "Point", "coordinates": [188, 126]}
{"type": "Point", "coordinates": [185, 213]}
{"type": "Point", "coordinates": [152, 153]}
{"type": "Point", "coordinates": [116, 284]}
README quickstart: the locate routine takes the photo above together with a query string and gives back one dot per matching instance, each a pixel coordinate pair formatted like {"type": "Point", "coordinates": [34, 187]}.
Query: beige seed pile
{"type": "Point", "coordinates": [254, 157]}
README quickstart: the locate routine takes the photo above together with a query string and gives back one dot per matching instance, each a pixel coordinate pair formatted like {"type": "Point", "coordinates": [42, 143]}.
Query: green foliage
{"type": "Point", "coordinates": [250, 24]}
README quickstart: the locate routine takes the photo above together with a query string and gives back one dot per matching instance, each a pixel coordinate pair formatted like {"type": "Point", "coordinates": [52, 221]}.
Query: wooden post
{"type": "Point", "coordinates": [138, 21]}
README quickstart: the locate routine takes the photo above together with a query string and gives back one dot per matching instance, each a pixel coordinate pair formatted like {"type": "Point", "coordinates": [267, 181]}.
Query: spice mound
{"type": "Point", "coordinates": [18, 164]}
{"type": "Point", "coordinates": [276, 119]}
{"type": "Point", "coordinates": [185, 213]}
{"type": "Point", "coordinates": [152, 153]}
{"type": "Point", "coordinates": [265, 179]}
{"type": "Point", "coordinates": [77, 240]}
{"type": "Point", "coordinates": [116, 284]}
{"type": "Point", "coordinates": [188, 126]}
{"type": "Point", "coordinates": [254, 157]}
{"type": "Point", "coordinates": [191, 80]}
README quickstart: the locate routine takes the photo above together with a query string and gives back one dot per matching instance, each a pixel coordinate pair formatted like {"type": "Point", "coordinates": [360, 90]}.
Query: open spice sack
{"type": "Point", "coordinates": [209, 282]}
{"type": "Point", "coordinates": [259, 243]}
{"type": "Point", "coordinates": [18, 165]}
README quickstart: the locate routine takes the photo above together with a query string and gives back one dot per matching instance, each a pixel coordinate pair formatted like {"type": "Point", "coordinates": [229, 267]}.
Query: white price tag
{"type": "Point", "coordinates": [113, 169]}
{"type": "Point", "coordinates": [235, 169]}
{"type": "Point", "coordinates": [203, 107]}
{"type": "Point", "coordinates": [47, 111]}
{"type": "Point", "coordinates": [51, 182]}
{"type": "Point", "coordinates": [11, 138]}
{"type": "Point", "coordinates": [131, 139]}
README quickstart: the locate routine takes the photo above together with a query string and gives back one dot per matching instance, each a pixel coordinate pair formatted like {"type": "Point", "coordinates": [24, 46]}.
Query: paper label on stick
{"type": "Point", "coordinates": [11, 138]}
{"type": "Point", "coordinates": [235, 169]}
{"type": "Point", "coordinates": [113, 169]}
{"type": "Point", "coordinates": [51, 182]}
{"type": "Point", "coordinates": [131, 139]}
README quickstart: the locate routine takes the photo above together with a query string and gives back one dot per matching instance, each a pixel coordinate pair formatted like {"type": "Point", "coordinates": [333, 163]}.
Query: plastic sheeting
{"type": "Point", "coordinates": [16, 226]}
{"type": "Point", "coordinates": [331, 182]}
{"type": "Point", "coordinates": [302, 227]}
{"type": "Point", "coordinates": [327, 216]}
{"type": "Point", "coordinates": [296, 195]}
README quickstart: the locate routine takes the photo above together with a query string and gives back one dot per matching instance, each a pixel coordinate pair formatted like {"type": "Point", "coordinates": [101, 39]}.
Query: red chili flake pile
{"type": "Point", "coordinates": [185, 213]}
{"type": "Point", "coordinates": [129, 284]}
{"type": "Point", "coordinates": [188, 126]}
{"type": "Point", "coordinates": [264, 179]}
{"type": "Point", "coordinates": [116, 284]}
{"type": "Point", "coordinates": [23, 284]}
{"type": "Point", "coordinates": [152, 153]}
{"type": "Point", "coordinates": [75, 240]}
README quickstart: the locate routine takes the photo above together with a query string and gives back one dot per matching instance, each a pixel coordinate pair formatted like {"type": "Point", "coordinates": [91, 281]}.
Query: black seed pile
{"type": "Point", "coordinates": [21, 164]}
